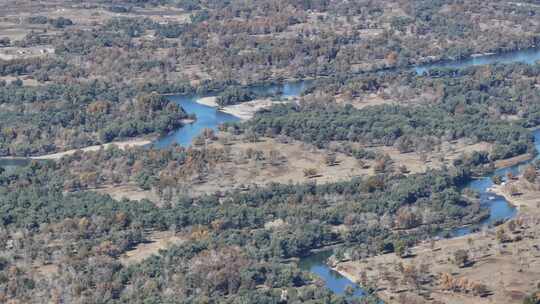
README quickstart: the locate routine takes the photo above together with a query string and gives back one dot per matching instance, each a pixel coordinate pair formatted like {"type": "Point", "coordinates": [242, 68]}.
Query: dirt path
{"type": "Point", "coordinates": [158, 240]}
{"type": "Point", "coordinates": [120, 144]}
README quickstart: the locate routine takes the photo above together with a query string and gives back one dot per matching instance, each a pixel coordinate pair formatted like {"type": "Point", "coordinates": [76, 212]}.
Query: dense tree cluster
{"type": "Point", "coordinates": [242, 43]}
{"type": "Point", "coordinates": [45, 119]}
{"type": "Point", "coordinates": [387, 125]}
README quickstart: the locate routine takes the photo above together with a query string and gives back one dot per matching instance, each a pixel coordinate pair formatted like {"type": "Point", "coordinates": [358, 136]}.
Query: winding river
{"type": "Point", "coordinates": [528, 56]}
{"type": "Point", "coordinates": [210, 117]}
{"type": "Point", "coordinates": [498, 206]}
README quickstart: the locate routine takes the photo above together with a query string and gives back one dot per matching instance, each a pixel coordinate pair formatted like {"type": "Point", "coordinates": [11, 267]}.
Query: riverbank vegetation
{"type": "Point", "coordinates": [89, 55]}
{"type": "Point", "coordinates": [45, 120]}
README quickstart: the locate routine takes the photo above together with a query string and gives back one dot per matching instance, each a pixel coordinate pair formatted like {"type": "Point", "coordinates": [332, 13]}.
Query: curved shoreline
{"type": "Point", "coordinates": [244, 111]}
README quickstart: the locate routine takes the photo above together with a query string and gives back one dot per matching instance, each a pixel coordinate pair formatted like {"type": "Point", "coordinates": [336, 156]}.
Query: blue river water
{"type": "Point", "coordinates": [499, 208]}
{"type": "Point", "coordinates": [207, 117]}
{"type": "Point", "coordinates": [316, 263]}
{"type": "Point", "coordinates": [528, 56]}
{"type": "Point", "coordinates": [211, 117]}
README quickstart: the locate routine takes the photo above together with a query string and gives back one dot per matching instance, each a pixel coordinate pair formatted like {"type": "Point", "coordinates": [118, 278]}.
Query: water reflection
{"type": "Point", "coordinates": [211, 117]}
{"type": "Point", "coordinates": [316, 263]}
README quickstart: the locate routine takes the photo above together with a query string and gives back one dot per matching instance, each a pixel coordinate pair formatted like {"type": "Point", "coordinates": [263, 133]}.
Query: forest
{"type": "Point", "coordinates": [80, 74]}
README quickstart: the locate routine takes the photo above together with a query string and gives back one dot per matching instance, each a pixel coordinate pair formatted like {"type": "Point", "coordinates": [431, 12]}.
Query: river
{"type": "Point", "coordinates": [528, 56]}
{"type": "Point", "coordinates": [498, 206]}
{"type": "Point", "coordinates": [210, 117]}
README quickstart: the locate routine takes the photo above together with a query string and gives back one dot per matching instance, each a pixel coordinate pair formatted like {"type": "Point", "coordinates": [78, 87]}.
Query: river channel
{"type": "Point", "coordinates": [210, 117]}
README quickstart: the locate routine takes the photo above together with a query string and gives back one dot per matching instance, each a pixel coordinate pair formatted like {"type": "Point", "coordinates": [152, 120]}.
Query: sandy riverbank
{"type": "Point", "coordinates": [244, 110]}
{"type": "Point", "coordinates": [527, 195]}
{"type": "Point", "coordinates": [208, 101]}
{"type": "Point", "coordinates": [247, 110]}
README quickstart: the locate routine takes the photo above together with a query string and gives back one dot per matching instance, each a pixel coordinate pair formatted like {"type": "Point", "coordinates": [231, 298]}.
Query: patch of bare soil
{"type": "Point", "coordinates": [27, 81]}
{"type": "Point", "coordinates": [247, 110]}
{"type": "Point", "coordinates": [443, 154]}
{"type": "Point", "coordinates": [47, 270]}
{"type": "Point", "coordinates": [244, 110]}
{"type": "Point", "coordinates": [119, 144]}
{"type": "Point", "coordinates": [359, 103]}
{"type": "Point", "coordinates": [269, 161]}
{"type": "Point", "coordinates": [131, 192]}
{"type": "Point", "coordinates": [521, 193]}
{"type": "Point", "coordinates": [158, 241]}
{"type": "Point", "coordinates": [502, 163]}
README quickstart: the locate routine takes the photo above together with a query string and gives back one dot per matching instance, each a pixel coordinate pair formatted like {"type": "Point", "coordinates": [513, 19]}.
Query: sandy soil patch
{"type": "Point", "coordinates": [47, 270]}
{"type": "Point", "coordinates": [510, 272]}
{"type": "Point", "coordinates": [276, 163]}
{"type": "Point", "coordinates": [120, 144]}
{"type": "Point", "coordinates": [444, 154]}
{"type": "Point", "coordinates": [188, 121]}
{"type": "Point", "coordinates": [526, 196]}
{"type": "Point", "coordinates": [247, 110]}
{"type": "Point", "coordinates": [163, 14]}
{"type": "Point", "coordinates": [131, 192]}
{"type": "Point", "coordinates": [244, 110]}
{"type": "Point", "coordinates": [502, 163]}
{"type": "Point", "coordinates": [210, 101]}
{"type": "Point", "coordinates": [359, 103]}
{"type": "Point", "coordinates": [158, 241]}
{"type": "Point", "coordinates": [27, 81]}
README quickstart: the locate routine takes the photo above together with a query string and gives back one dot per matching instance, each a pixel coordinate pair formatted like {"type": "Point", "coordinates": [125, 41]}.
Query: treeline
{"type": "Point", "coordinates": [252, 46]}
{"type": "Point", "coordinates": [59, 22]}
{"type": "Point", "coordinates": [378, 195]}
{"type": "Point", "coordinates": [266, 39]}
{"type": "Point", "coordinates": [388, 125]}
{"type": "Point", "coordinates": [497, 91]}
